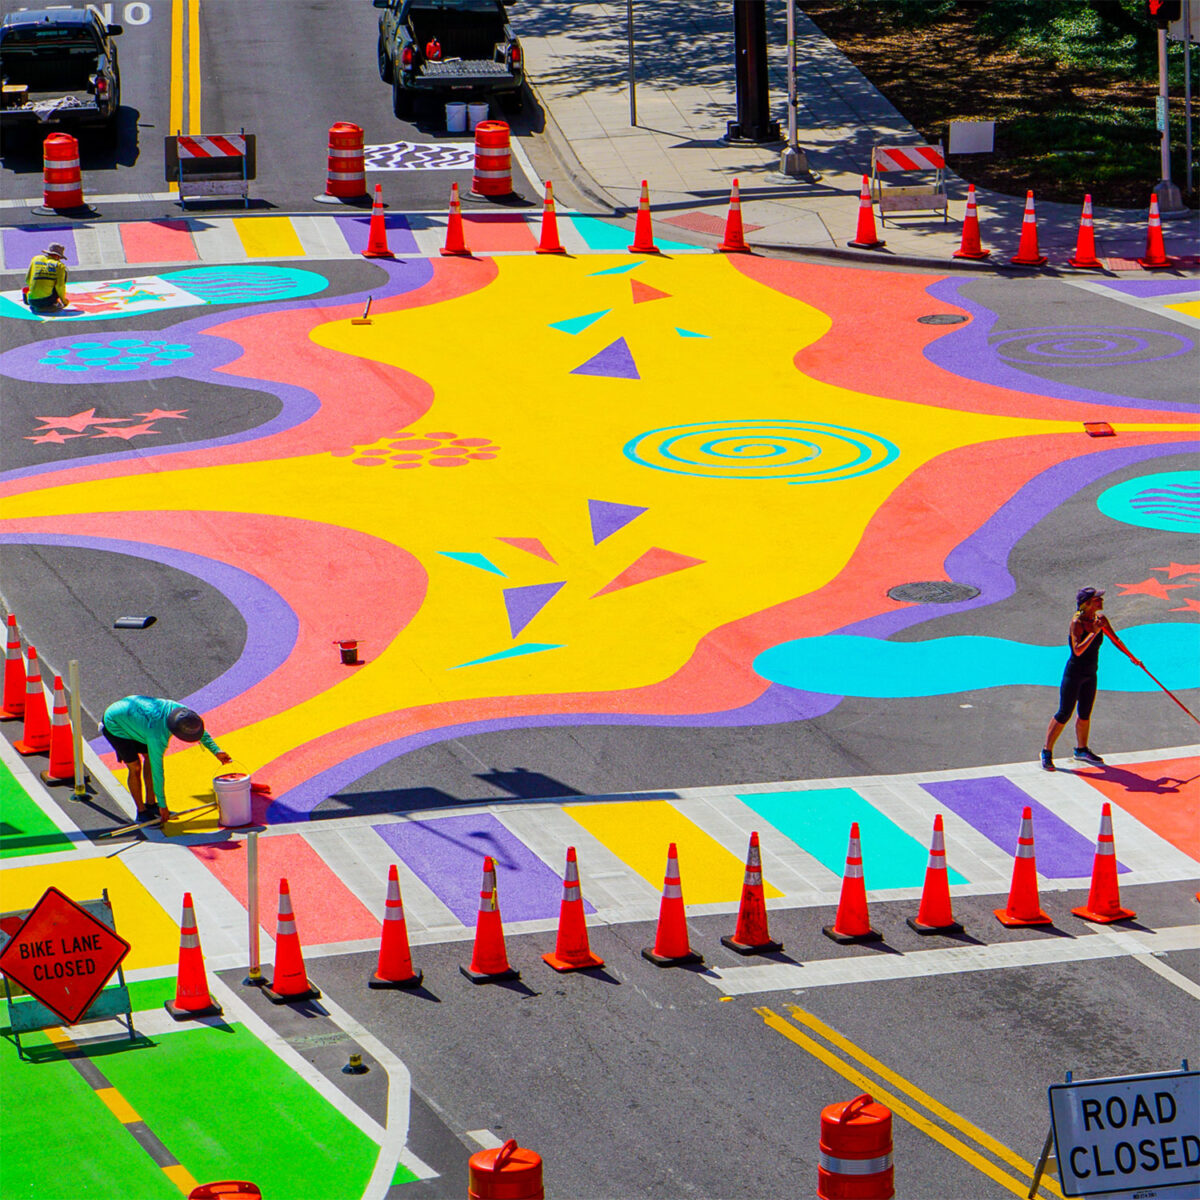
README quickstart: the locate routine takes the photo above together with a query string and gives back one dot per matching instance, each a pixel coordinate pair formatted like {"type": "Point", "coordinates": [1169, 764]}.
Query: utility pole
{"type": "Point", "coordinates": [753, 122]}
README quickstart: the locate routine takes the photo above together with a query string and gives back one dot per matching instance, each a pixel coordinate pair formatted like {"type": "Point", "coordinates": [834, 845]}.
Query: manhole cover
{"type": "Point", "coordinates": [933, 591]}
{"type": "Point", "coordinates": [942, 319]}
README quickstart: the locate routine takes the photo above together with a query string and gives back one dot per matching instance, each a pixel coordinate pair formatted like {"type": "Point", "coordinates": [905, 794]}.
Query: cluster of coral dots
{"type": "Point", "coordinates": [408, 449]}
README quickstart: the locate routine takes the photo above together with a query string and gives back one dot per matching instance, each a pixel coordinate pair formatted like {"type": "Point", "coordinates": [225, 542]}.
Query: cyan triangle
{"type": "Point", "coordinates": [579, 324]}
{"type": "Point", "coordinates": [689, 333]}
{"type": "Point", "coordinates": [633, 266]}
{"type": "Point", "coordinates": [514, 652]}
{"type": "Point", "coordinates": [473, 560]}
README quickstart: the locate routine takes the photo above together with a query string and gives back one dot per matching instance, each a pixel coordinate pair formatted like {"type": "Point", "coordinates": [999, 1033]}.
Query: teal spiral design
{"type": "Point", "coordinates": [768, 450]}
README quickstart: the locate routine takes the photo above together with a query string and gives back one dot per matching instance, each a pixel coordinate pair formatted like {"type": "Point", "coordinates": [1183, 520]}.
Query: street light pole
{"type": "Point", "coordinates": [793, 160]}
{"type": "Point", "coordinates": [1169, 198]}
{"type": "Point", "coordinates": [632, 79]}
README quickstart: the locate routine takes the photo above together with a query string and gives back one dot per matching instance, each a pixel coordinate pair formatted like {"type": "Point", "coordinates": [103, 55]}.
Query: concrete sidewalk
{"type": "Point", "coordinates": [577, 62]}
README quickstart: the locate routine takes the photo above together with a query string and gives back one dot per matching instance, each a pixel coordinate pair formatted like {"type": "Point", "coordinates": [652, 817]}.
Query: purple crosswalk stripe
{"type": "Point", "coordinates": [993, 806]}
{"type": "Point", "coordinates": [20, 245]}
{"type": "Point", "coordinates": [357, 231]}
{"type": "Point", "coordinates": [447, 854]}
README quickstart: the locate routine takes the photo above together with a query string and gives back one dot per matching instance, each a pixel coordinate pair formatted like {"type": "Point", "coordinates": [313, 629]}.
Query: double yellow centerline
{"type": "Point", "coordinates": [840, 1054]}
{"type": "Point", "coordinates": [185, 68]}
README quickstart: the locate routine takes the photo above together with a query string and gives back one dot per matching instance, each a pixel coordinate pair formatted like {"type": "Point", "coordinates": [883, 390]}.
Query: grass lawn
{"type": "Point", "coordinates": [1070, 87]}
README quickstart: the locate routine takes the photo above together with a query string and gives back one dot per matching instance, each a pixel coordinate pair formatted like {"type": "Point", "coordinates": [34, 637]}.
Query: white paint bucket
{"type": "Point", "coordinates": [233, 798]}
{"type": "Point", "coordinates": [475, 114]}
{"type": "Point", "coordinates": [456, 118]}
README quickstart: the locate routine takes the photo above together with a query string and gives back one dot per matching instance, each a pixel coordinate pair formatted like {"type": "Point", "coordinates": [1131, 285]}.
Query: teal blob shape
{"type": "Point", "coordinates": [848, 665]}
{"type": "Point", "coordinates": [247, 283]}
{"type": "Point", "coordinates": [124, 342]}
{"type": "Point", "coordinates": [1168, 500]}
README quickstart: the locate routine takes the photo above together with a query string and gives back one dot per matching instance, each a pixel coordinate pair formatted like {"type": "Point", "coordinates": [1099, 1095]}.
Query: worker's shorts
{"type": "Point", "coordinates": [127, 749]}
{"type": "Point", "coordinates": [44, 304]}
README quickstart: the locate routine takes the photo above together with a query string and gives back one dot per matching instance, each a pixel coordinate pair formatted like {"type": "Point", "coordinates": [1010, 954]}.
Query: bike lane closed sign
{"type": "Point", "coordinates": [1135, 1134]}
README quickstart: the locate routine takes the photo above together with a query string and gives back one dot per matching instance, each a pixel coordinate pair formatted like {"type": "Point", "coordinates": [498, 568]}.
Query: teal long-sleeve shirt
{"type": "Point", "coordinates": [144, 719]}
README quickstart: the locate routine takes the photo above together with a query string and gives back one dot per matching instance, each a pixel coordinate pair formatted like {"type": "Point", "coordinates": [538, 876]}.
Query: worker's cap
{"type": "Point", "coordinates": [57, 249]}
{"type": "Point", "coordinates": [1085, 594]}
{"type": "Point", "coordinates": [186, 725]}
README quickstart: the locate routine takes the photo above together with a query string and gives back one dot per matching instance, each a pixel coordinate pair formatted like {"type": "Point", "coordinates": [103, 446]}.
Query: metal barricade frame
{"type": "Point", "coordinates": [928, 158]}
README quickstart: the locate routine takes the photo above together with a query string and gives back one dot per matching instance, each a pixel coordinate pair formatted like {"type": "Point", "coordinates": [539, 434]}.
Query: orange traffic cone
{"type": "Point", "coordinates": [289, 983]}
{"type": "Point", "coordinates": [395, 969]}
{"type": "Point", "coordinates": [192, 997]}
{"type": "Point", "coordinates": [1027, 254]}
{"type": "Point", "coordinates": [14, 675]}
{"type": "Point", "coordinates": [1085, 243]}
{"type": "Point", "coordinates": [735, 238]}
{"type": "Point", "coordinates": [548, 243]}
{"type": "Point", "coordinates": [853, 922]}
{"type": "Point", "coordinates": [455, 241]}
{"type": "Point", "coordinates": [671, 948]}
{"type": "Point", "coordinates": [377, 246]}
{"type": "Point", "coordinates": [970, 247]}
{"type": "Point", "coordinates": [865, 238]}
{"type": "Point", "coordinates": [1024, 906]}
{"type": "Point", "coordinates": [489, 959]}
{"type": "Point", "coordinates": [35, 738]}
{"type": "Point", "coordinates": [572, 951]}
{"type": "Point", "coordinates": [935, 914]}
{"type": "Point", "coordinates": [1104, 898]}
{"type": "Point", "coordinates": [62, 742]}
{"type": "Point", "coordinates": [751, 935]}
{"type": "Point", "coordinates": [643, 231]}
{"type": "Point", "coordinates": [1156, 251]}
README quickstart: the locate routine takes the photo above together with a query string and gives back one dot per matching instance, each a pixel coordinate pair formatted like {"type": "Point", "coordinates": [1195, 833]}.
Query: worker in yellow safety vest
{"type": "Point", "coordinates": [46, 281]}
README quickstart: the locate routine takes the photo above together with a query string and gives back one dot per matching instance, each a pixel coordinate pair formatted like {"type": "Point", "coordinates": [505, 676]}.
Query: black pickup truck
{"type": "Point", "coordinates": [451, 49]}
{"type": "Point", "coordinates": [59, 68]}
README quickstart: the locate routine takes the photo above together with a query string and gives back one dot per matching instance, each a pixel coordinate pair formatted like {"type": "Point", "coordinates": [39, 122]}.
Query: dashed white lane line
{"type": "Point", "coordinates": [775, 977]}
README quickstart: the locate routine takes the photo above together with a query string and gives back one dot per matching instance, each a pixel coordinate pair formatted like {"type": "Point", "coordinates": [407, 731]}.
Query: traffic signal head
{"type": "Point", "coordinates": [1163, 12]}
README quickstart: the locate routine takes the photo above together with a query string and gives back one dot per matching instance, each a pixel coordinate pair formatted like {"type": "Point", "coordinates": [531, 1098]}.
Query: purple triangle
{"type": "Point", "coordinates": [607, 518]}
{"type": "Point", "coordinates": [613, 362]}
{"type": "Point", "coordinates": [524, 603]}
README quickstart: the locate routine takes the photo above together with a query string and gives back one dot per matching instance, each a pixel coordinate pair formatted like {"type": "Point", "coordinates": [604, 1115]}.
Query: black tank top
{"type": "Point", "coordinates": [1087, 662]}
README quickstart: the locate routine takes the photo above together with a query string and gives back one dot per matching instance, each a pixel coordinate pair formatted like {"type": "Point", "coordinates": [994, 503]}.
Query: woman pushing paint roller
{"type": "Point", "coordinates": [1077, 692]}
{"type": "Point", "coordinates": [139, 727]}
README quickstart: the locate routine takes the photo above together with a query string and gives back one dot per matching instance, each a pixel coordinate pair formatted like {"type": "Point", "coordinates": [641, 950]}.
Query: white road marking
{"type": "Point", "coordinates": [1152, 304]}
{"type": "Point", "coordinates": [774, 977]}
{"type": "Point", "coordinates": [485, 1138]}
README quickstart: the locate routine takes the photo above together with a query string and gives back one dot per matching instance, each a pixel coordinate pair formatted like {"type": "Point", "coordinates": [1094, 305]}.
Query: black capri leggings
{"type": "Point", "coordinates": [1075, 690]}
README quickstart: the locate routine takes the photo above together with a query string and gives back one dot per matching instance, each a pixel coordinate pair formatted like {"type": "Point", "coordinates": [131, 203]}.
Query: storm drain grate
{"type": "Point", "coordinates": [933, 591]}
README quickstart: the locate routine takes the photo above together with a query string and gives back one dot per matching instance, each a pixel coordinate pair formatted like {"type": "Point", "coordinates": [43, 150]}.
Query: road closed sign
{"type": "Point", "coordinates": [1132, 1135]}
{"type": "Point", "coordinates": [62, 955]}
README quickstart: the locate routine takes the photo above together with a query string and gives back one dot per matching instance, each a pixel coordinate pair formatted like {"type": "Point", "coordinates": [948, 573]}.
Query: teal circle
{"type": "Point", "coordinates": [1169, 500]}
{"type": "Point", "coordinates": [242, 283]}
{"type": "Point", "coordinates": [123, 342]}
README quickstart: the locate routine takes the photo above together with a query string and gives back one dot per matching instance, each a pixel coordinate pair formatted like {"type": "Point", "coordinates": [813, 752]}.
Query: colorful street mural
{"type": "Point", "coordinates": [554, 491]}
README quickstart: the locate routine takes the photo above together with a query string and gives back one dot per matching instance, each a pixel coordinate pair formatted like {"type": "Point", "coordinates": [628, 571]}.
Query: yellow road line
{"type": "Point", "coordinates": [175, 121]}
{"type": "Point", "coordinates": [194, 125]}
{"type": "Point", "coordinates": [118, 1105]}
{"type": "Point", "coordinates": [181, 1177]}
{"type": "Point", "coordinates": [967, 1153]}
{"type": "Point", "coordinates": [999, 1149]}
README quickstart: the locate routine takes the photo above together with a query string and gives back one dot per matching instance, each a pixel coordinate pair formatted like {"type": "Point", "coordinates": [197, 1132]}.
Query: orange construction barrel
{"type": "Point", "coordinates": [856, 1151]}
{"type": "Point", "coordinates": [493, 160]}
{"type": "Point", "coordinates": [346, 176]}
{"type": "Point", "coordinates": [62, 184]}
{"type": "Point", "coordinates": [509, 1173]}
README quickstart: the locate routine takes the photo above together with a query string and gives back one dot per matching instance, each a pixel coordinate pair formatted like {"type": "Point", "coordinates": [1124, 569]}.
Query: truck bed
{"type": "Point", "coordinates": [469, 35]}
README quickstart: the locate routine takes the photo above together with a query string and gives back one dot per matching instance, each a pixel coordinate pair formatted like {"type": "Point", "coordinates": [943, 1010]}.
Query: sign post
{"type": "Point", "coordinates": [1128, 1135]}
{"type": "Point", "coordinates": [62, 953]}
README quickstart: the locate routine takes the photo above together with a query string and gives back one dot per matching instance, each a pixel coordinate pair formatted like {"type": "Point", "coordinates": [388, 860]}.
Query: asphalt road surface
{"type": "Point", "coordinates": [283, 70]}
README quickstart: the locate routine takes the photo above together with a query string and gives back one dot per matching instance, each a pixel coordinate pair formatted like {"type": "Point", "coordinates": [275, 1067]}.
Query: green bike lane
{"type": "Point", "coordinates": [92, 1114]}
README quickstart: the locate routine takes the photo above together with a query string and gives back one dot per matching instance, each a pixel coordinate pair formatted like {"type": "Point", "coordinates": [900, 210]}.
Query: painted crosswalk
{"type": "Point", "coordinates": [622, 847]}
{"type": "Point", "coordinates": [337, 867]}
{"type": "Point", "coordinates": [242, 239]}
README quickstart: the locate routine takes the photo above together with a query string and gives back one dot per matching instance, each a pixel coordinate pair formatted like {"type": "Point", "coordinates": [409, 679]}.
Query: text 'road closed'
{"type": "Point", "coordinates": [1126, 1134]}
